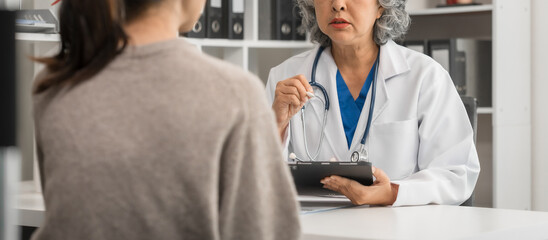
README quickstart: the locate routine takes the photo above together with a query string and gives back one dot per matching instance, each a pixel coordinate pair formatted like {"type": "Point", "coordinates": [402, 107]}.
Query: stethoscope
{"type": "Point", "coordinates": [361, 154]}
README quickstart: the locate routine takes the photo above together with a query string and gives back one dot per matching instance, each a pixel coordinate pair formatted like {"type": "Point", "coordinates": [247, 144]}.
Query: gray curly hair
{"type": "Point", "coordinates": [392, 25]}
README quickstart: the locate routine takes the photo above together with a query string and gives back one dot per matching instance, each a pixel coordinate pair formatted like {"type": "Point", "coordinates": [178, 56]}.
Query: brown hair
{"type": "Point", "coordinates": [91, 37]}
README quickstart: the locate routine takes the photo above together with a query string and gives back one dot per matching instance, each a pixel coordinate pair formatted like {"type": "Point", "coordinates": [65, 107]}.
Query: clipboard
{"type": "Point", "coordinates": [307, 175]}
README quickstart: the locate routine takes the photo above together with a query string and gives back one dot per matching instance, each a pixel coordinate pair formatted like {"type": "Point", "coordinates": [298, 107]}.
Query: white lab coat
{"type": "Point", "coordinates": [420, 134]}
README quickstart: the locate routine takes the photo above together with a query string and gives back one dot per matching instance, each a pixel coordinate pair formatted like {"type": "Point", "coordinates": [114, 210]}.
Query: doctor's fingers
{"type": "Point", "coordinates": [353, 190]}
{"type": "Point", "coordinates": [293, 90]}
{"type": "Point", "coordinates": [380, 175]}
{"type": "Point", "coordinates": [293, 86]}
{"type": "Point", "coordinates": [288, 100]}
{"type": "Point", "coordinates": [304, 82]}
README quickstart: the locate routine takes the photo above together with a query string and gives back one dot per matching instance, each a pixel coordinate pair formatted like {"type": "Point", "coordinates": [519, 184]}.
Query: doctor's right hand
{"type": "Point", "coordinates": [290, 96]}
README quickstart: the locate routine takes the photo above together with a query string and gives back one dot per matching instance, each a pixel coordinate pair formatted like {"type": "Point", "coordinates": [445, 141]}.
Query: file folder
{"type": "Point", "coordinates": [235, 15]}
{"type": "Point", "coordinates": [282, 19]}
{"type": "Point", "coordinates": [199, 29]}
{"type": "Point", "coordinates": [7, 80]}
{"type": "Point", "coordinates": [446, 54]}
{"type": "Point", "coordinates": [265, 19]}
{"type": "Point", "coordinates": [299, 33]}
{"type": "Point", "coordinates": [216, 19]}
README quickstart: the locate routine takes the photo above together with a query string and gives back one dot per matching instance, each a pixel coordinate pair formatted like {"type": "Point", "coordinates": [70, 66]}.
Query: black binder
{"type": "Point", "coordinates": [216, 19]}
{"type": "Point", "coordinates": [7, 80]}
{"type": "Point", "coordinates": [282, 19]}
{"type": "Point", "coordinates": [445, 52]}
{"type": "Point", "coordinates": [235, 13]}
{"type": "Point", "coordinates": [299, 32]}
{"type": "Point", "coordinates": [199, 29]}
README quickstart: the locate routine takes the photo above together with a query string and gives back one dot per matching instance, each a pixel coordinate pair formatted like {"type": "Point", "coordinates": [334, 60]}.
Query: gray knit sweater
{"type": "Point", "coordinates": [164, 143]}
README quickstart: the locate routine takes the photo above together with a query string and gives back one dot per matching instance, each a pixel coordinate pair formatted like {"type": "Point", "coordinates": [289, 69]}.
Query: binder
{"type": "Point", "coordinates": [282, 19]}
{"type": "Point", "coordinates": [216, 19]}
{"type": "Point", "coordinates": [265, 19]}
{"type": "Point", "coordinates": [199, 29]}
{"type": "Point", "coordinates": [458, 71]}
{"type": "Point", "coordinates": [235, 13]}
{"type": "Point", "coordinates": [7, 77]}
{"type": "Point", "coordinates": [300, 32]}
{"type": "Point", "coordinates": [446, 54]}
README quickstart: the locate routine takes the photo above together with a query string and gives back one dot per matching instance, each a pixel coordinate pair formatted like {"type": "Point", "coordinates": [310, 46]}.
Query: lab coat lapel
{"type": "Point", "coordinates": [334, 131]}
{"type": "Point", "coordinates": [391, 63]}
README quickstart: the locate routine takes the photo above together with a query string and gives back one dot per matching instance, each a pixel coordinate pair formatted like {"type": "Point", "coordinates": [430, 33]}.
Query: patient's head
{"type": "Point", "coordinates": [94, 32]}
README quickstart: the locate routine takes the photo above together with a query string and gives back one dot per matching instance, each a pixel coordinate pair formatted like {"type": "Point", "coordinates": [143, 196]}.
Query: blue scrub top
{"type": "Point", "coordinates": [350, 109]}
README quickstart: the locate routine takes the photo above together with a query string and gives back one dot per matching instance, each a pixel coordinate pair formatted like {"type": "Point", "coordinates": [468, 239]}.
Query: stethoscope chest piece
{"type": "Point", "coordinates": [359, 156]}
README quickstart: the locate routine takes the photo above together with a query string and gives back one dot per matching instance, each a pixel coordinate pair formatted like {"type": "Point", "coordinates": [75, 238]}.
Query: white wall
{"type": "Point", "coordinates": [539, 98]}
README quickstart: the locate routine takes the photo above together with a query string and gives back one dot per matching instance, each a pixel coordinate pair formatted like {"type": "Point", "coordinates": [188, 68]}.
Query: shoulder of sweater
{"type": "Point", "coordinates": [228, 76]}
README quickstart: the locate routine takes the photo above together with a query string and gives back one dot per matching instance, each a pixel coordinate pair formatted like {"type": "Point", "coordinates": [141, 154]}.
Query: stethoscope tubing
{"type": "Point", "coordinates": [372, 105]}
{"type": "Point", "coordinates": [313, 83]}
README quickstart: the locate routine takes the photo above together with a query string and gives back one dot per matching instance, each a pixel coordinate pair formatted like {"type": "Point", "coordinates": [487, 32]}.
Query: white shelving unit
{"type": "Point", "coordinates": [504, 131]}
{"type": "Point", "coordinates": [29, 45]}
{"type": "Point", "coordinates": [452, 10]}
{"type": "Point", "coordinates": [256, 56]}
{"type": "Point", "coordinates": [38, 37]}
{"type": "Point", "coordinates": [504, 127]}
{"type": "Point", "coordinates": [249, 43]}
{"type": "Point", "coordinates": [252, 54]}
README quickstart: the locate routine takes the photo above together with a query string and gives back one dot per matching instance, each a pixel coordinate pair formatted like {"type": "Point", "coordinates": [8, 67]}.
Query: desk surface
{"type": "Point", "coordinates": [350, 223]}
{"type": "Point", "coordinates": [425, 222]}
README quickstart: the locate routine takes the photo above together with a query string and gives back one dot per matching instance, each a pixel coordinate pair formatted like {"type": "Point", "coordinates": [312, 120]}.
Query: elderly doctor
{"type": "Point", "coordinates": [418, 138]}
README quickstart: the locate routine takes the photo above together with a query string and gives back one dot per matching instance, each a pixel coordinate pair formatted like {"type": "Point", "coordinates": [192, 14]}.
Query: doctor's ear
{"type": "Point", "coordinates": [379, 12]}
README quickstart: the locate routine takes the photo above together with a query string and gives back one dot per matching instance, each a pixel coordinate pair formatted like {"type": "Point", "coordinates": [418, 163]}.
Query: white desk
{"type": "Point", "coordinates": [424, 222]}
{"type": "Point", "coordinates": [421, 222]}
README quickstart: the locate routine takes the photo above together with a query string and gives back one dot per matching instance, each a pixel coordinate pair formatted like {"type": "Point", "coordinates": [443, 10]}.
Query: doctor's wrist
{"type": "Point", "coordinates": [282, 130]}
{"type": "Point", "coordinates": [395, 189]}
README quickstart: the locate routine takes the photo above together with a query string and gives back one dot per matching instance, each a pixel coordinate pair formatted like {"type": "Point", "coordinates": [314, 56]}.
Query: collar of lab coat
{"type": "Point", "coordinates": [392, 63]}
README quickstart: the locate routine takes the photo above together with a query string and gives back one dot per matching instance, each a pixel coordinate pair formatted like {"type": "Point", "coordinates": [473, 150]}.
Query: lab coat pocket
{"type": "Point", "coordinates": [394, 147]}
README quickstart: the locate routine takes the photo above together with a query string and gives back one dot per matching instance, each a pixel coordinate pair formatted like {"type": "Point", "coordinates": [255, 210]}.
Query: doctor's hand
{"type": "Point", "coordinates": [290, 96]}
{"type": "Point", "coordinates": [382, 192]}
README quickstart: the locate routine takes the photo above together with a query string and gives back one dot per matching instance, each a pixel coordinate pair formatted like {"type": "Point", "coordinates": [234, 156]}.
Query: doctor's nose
{"type": "Point", "coordinates": [338, 5]}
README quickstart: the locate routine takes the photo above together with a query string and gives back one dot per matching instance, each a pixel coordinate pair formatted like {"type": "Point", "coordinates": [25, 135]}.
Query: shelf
{"type": "Point", "coordinates": [204, 42]}
{"type": "Point", "coordinates": [30, 205]}
{"type": "Point", "coordinates": [38, 37]}
{"type": "Point", "coordinates": [485, 110]}
{"type": "Point", "coordinates": [452, 10]}
{"type": "Point", "coordinates": [280, 44]}
{"type": "Point", "coordinates": [42, 37]}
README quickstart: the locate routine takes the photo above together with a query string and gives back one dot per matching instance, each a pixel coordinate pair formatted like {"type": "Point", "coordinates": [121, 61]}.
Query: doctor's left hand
{"type": "Point", "coordinates": [382, 192]}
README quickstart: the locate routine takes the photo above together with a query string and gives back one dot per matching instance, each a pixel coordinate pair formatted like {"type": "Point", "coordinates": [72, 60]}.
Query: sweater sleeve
{"type": "Point", "coordinates": [448, 165]}
{"type": "Point", "coordinates": [257, 197]}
